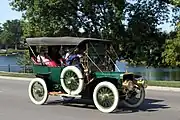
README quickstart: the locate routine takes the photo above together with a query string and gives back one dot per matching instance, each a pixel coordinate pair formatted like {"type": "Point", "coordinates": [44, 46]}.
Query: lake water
{"type": "Point", "coordinates": [9, 63]}
{"type": "Point", "coordinates": [148, 73]}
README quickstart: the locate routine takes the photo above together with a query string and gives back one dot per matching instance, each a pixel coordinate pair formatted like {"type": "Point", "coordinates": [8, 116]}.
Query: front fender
{"type": "Point", "coordinates": [138, 79]}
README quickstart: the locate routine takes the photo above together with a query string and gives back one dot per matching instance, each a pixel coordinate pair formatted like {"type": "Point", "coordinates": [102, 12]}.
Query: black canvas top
{"type": "Point", "coordinates": [60, 40]}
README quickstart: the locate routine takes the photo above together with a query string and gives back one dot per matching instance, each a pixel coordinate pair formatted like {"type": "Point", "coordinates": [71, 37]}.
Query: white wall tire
{"type": "Point", "coordinates": [96, 97]}
{"type": "Point", "coordinates": [76, 77]}
{"type": "Point", "coordinates": [43, 91]}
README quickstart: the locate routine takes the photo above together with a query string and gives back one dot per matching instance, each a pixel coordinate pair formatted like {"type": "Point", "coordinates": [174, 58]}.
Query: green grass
{"type": "Point", "coordinates": [13, 74]}
{"type": "Point", "coordinates": [164, 83]}
{"type": "Point", "coordinates": [13, 50]}
{"type": "Point", "coordinates": [10, 51]}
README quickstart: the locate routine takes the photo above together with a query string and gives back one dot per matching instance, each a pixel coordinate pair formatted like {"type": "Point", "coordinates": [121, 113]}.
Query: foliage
{"type": "Point", "coordinates": [24, 59]}
{"type": "Point", "coordinates": [6, 37]}
{"type": "Point", "coordinates": [171, 54]}
{"type": "Point", "coordinates": [140, 41]}
{"type": "Point", "coordinates": [143, 43]}
{"type": "Point", "coordinates": [175, 2]}
{"type": "Point", "coordinates": [65, 17]}
{"type": "Point", "coordinates": [1, 29]}
{"type": "Point", "coordinates": [11, 32]}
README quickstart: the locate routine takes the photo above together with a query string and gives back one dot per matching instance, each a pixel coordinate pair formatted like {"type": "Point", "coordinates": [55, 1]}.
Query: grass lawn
{"type": "Point", "coordinates": [10, 52]}
{"type": "Point", "coordinates": [164, 83]}
{"type": "Point", "coordinates": [13, 74]}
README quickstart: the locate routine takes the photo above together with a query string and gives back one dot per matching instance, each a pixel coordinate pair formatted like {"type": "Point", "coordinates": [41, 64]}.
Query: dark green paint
{"type": "Point", "coordinates": [115, 75]}
{"type": "Point", "coordinates": [53, 82]}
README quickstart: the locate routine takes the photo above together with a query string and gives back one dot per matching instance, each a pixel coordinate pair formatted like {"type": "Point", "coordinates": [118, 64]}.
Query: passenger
{"type": "Point", "coordinates": [67, 54]}
{"type": "Point", "coordinates": [46, 59]}
{"type": "Point", "coordinates": [56, 55]}
{"type": "Point", "coordinates": [74, 59]}
{"type": "Point", "coordinates": [42, 56]}
{"type": "Point", "coordinates": [61, 59]}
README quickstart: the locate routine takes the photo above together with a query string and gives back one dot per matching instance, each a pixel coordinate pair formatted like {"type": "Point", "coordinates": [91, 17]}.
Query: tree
{"type": "Point", "coordinates": [175, 2]}
{"type": "Point", "coordinates": [23, 59]}
{"type": "Point", "coordinates": [14, 28]}
{"type": "Point", "coordinates": [66, 17]}
{"type": "Point", "coordinates": [1, 29]}
{"type": "Point", "coordinates": [141, 41]}
{"type": "Point", "coordinates": [6, 38]}
{"type": "Point", "coordinates": [171, 55]}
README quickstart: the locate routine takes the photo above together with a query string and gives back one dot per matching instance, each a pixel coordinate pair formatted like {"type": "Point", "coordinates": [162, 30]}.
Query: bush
{"type": "Point", "coordinates": [24, 60]}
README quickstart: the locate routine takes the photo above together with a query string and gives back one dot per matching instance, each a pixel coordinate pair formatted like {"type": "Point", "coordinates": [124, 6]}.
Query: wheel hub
{"type": "Point", "coordinates": [39, 92]}
{"type": "Point", "coordinates": [71, 82]}
{"type": "Point", "coordinates": [105, 96]}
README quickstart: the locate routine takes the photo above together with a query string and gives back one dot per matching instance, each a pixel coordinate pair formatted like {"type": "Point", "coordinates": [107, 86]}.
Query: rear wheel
{"type": "Point", "coordinates": [38, 92]}
{"type": "Point", "coordinates": [106, 97]}
{"type": "Point", "coordinates": [72, 80]}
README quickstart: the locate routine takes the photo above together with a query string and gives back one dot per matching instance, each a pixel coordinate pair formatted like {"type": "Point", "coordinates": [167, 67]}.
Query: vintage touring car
{"type": "Point", "coordinates": [87, 72]}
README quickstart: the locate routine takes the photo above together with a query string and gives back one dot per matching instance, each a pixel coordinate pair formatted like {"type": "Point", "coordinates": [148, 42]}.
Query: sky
{"type": "Point", "coordinates": [6, 13]}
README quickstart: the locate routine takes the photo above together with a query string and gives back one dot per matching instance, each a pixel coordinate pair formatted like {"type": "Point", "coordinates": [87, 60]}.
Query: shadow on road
{"type": "Point", "coordinates": [149, 105]}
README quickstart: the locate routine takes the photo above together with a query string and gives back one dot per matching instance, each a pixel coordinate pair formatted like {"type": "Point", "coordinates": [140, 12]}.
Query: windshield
{"type": "Point", "coordinates": [99, 57]}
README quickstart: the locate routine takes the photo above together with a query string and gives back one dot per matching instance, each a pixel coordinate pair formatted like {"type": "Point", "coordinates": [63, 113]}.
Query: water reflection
{"type": "Point", "coordinates": [154, 73]}
{"type": "Point", "coordinates": [157, 73]}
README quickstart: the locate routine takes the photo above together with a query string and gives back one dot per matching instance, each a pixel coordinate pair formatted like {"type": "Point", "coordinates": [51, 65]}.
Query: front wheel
{"type": "Point", "coordinates": [106, 97]}
{"type": "Point", "coordinates": [135, 98]}
{"type": "Point", "coordinates": [38, 92]}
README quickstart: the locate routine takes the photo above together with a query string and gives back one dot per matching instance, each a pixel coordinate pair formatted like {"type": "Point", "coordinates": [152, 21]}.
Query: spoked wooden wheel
{"type": "Point", "coordinates": [72, 80]}
{"type": "Point", "coordinates": [38, 92]}
{"type": "Point", "coordinates": [135, 98]}
{"type": "Point", "coordinates": [106, 97]}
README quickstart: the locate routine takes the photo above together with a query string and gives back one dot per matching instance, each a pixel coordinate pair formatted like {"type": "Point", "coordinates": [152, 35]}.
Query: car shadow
{"type": "Point", "coordinates": [149, 105]}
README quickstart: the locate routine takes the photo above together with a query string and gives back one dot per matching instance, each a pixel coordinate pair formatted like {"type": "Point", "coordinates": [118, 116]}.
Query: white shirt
{"type": "Point", "coordinates": [43, 59]}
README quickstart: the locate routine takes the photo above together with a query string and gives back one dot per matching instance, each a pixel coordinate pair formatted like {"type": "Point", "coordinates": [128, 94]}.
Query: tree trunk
{"type": "Point", "coordinates": [15, 46]}
{"type": "Point", "coordinates": [6, 48]}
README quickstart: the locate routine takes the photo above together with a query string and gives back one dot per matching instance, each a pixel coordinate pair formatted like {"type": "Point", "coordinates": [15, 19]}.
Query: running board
{"type": "Point", "coordinates": [74, 96]}
{"type": "Point", "coordinates": [64, 95]}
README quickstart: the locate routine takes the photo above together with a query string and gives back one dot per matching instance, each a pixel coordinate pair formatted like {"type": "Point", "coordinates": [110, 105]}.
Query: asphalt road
{"type": "Point", "coordinates": [16, 105]}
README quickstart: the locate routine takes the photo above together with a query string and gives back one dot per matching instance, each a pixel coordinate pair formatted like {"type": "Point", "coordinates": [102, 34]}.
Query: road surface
{"type": "Point", "coordinates": [16, 105]}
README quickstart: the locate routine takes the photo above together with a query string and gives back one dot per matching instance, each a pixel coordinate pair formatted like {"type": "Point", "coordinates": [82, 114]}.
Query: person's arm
{"type": "Point", "coordinates": [38, 59]}
{"type": "Point", "coordinates": [67, 55]}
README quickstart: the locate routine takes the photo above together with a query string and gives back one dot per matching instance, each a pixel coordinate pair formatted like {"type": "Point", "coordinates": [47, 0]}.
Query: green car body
{"type": "Point", "coordinates": [53, 76]}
